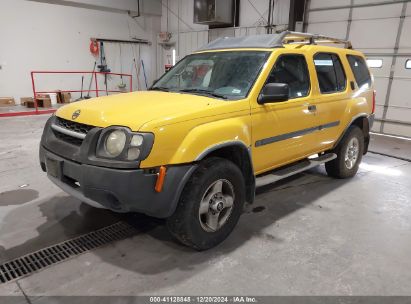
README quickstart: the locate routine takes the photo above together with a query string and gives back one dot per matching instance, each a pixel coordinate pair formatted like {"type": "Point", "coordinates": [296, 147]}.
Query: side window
{"type": "Point", "coordinates": [292, 70]}
{"type": "Point", "coordinates": [330, 73]}
{"type": "Point", "coordinates": [360, 70]}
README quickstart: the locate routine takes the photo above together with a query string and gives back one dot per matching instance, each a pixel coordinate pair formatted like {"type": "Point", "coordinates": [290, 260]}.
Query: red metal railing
{"type": "Point", "coordinates": [96, 90]}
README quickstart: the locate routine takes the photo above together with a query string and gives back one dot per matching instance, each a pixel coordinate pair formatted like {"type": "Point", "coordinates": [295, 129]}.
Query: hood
{"type": "Point", "coordinates": [134, 109]}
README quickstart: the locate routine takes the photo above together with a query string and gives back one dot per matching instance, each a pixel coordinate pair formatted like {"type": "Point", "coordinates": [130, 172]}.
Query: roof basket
{"type": "Point", "coordinates": [289, 37]}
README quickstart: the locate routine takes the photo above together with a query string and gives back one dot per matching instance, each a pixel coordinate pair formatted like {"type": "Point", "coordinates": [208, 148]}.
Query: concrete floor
{"type": "Point", "coordinates": [308, 235]}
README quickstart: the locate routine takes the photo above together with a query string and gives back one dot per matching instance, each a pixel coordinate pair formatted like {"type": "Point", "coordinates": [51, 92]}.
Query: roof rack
{"type": "Point", "coordinates": [272, 41]}
{"type": "Point", "coordinates": [288, 37]}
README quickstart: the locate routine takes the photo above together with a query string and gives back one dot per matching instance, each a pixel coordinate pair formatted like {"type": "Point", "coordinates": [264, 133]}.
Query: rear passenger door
{"type": "Point", "coordinates": [333, 96]}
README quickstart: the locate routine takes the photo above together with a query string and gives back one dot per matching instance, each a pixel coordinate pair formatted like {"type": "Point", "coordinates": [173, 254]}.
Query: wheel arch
{"type": "Point", "coordinates": [238, 153]}
{"type": "Point", "coordinates": [361, 121]}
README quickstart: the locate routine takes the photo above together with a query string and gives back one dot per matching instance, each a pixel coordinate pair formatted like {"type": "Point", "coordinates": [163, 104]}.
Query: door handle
{"type": "Point", "coordinates": [312, 108]}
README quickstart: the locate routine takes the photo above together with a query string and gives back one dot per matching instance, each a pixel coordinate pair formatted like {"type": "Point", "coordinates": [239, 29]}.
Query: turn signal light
{"type": "Point", "coordinates": [373, 101]}
{"type": "Point", "coordinates": [161, 175]}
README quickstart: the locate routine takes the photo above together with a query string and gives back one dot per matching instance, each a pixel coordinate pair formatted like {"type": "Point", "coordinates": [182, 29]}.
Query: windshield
{"type": "Point", "coordinates": [226, 75]}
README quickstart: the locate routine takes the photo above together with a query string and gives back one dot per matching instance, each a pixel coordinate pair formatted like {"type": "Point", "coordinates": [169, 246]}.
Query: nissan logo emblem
{"type": "Point", "coordinates": [76, 114]}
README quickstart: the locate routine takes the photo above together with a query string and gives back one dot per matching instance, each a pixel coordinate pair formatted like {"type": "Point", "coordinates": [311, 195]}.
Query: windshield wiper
{"type": "Point", "coordinates": [206, 92]}
{"type": "Point", "coordinates": [163, 89]}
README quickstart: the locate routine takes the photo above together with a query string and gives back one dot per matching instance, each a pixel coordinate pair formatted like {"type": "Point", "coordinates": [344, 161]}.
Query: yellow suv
{"type": "Point", "coordinates": [238, 114]}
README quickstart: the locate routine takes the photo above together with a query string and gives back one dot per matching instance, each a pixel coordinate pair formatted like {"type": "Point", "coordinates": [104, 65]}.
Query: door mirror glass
{"type": "Point", "coordinates": [274, 92]}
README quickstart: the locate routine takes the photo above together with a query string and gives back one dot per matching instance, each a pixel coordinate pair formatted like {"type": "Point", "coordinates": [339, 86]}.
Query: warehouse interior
{"type": "Point", "coordinates": [306, 235]}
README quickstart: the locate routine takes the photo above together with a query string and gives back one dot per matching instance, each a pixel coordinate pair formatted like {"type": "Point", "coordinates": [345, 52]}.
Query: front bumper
{"type": "Point", "coordinates": [120, 190]}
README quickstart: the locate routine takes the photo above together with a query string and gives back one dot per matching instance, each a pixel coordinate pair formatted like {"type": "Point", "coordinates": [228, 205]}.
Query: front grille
{"type": "Point", "coordinates": [73, 126]}
{"type": "Point", "coordinates": [67, 138]}
{"type": "Point", "coordinates": [43, 258]}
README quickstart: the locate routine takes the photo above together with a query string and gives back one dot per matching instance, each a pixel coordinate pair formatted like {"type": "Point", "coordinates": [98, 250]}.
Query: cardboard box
{"type": "Point", "coordinates": [66, 97]}
{"type": "Point", "coordinates": [44, 102]}
{"type": "Point", "coordinates": [63, 97]}
{"type": "Point", "coordinates": [7, 101]}
{"type": "Point", "coordinates": [25, 100]}
{"type": "Point", "coordinates": [41, 103]}
{"type": "Point", "coordinates": [29, 104]}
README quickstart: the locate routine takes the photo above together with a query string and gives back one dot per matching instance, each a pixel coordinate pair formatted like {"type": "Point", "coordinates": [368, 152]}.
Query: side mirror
{"type": "Point", "coordinates": [273, 92]}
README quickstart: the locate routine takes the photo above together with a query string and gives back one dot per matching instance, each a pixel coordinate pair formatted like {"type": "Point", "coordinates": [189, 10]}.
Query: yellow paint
{"type": "Point", "coordinates": [186, 125]}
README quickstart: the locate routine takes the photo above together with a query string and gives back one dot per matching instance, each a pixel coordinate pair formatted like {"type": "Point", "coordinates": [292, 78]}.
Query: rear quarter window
{"type": "Point", "coordinates": [360, 70]}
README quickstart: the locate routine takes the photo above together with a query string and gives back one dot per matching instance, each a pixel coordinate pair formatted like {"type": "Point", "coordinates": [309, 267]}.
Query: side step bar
{"type": "Point", "coordinates": [293, 169]}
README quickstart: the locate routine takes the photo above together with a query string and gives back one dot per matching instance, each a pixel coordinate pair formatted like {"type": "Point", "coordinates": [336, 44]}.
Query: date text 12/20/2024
{"type": "Point", "coordinates": [205, 299]}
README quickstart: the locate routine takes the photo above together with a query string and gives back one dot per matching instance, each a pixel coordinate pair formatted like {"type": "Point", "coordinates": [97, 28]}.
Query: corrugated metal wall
{"type": "Point", "coordinates": [382, 30]}
{"type": "Point", "coordinates": [177, 18]}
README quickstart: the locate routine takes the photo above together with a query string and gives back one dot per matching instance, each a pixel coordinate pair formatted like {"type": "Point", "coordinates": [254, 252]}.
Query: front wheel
{"type": "Point", "coordinates": [349, 154]}
{"type": "Point", "coordinates": [210, 205]}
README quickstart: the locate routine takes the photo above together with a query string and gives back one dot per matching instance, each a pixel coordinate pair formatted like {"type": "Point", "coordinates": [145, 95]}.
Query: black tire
{"type": "Point", "coordinates": [185, 224]}
{"type": "Point", "coordinates": [338, 167]}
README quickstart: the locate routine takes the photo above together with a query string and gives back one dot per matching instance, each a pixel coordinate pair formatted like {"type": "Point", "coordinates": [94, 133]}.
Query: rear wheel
{"type": "Point", "coordinates": [349, 154]}
{"type": "Point", "coordinates": [210, 205]}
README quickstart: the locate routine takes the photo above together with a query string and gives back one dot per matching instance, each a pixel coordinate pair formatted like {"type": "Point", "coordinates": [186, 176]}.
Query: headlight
{"type": "Point", "coordinates": [121, 144]}
{"type": "Point", "coordinates": [115, 143]}
{"type": "Point", "coordinates": [135, 145]}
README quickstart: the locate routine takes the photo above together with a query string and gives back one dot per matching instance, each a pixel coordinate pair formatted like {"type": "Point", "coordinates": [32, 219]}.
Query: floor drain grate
{"type": "Point", "coordinates": [43, 258]}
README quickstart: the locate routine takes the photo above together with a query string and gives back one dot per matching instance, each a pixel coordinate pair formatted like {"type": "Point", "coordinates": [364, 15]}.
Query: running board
{"type": "Point", "coordinates": [293, 169]}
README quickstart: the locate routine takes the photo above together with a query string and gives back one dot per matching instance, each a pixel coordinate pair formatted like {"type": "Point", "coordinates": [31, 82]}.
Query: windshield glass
{"type": "Point", "coordinates": [227, 75]}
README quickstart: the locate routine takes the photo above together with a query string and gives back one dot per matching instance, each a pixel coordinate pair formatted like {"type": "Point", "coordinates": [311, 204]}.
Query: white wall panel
{"type": "Point", "coordinates": [202, 38]}
{"type": "Point", "coordinates": [398, 113]}
{"type": "Point", "coordinates": [400, 70]}
{"type": "Point", "coordinates": [374, 33]}
{"type": "Point", "coordinates": [383, 71]}
{"type": "Point", "coordinates": [328, 3]}
{"type": "Point", "coordinates": [356, 2]}
{"type": "Point", "coordinates": [378, 50]}
{"type": "Point", "coordinates": [376, 126]}
{"type": "Point", "coordinates": [378, 111]}
{"type": "Point", "coordinates": [374, 12]}
{"type": "Point", "coordinates": [334, 29]}
{"type": "Point", "coordinates": [240, 32]}
{"type": "Point", "coordinates": [191, 41]}
{"type": "Point", "coordinates": [397, 129]}
{"type": "Point", "coordinates": [405, 41]}
{"type": "Point", "coordinates": [281, 12]}
{"type": "Point", "coordinates": [400, 93]}
{"type": "Point", "coordinates": [329, 15]}
{"type": "Point", "coordinates": [125, 5]}
{"type": "Point", "coordinates": [255, 12]}
{"type": "Point", "coordinates": [381, 85]}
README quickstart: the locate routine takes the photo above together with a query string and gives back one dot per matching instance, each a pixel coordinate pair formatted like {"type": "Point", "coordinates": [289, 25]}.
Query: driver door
{"type": "Point", "coordinates": [283, 132]}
